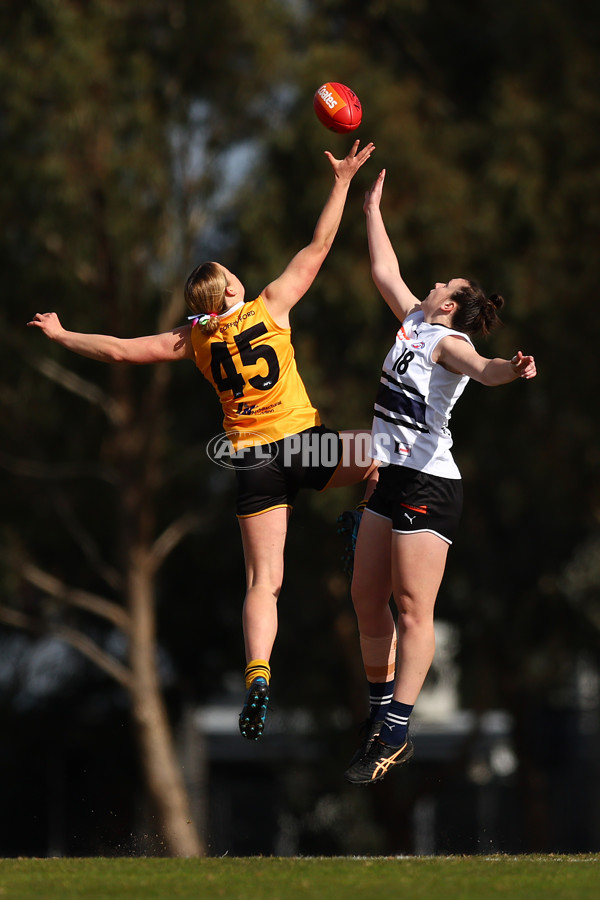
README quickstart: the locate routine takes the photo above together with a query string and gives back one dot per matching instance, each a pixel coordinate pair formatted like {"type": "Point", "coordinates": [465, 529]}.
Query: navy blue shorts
{"type": "Point", "coordinates": [415, 501]}
{"type": "Point", "coordinates": [270, 475]}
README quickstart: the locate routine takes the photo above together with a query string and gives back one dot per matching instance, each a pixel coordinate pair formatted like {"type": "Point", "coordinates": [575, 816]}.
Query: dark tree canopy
{"type": "Point", "coordinates": [141, 137]}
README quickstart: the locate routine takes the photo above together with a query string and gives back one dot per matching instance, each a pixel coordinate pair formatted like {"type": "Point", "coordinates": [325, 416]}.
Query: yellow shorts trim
{"type": "Point", "coordinates": [268, 509]}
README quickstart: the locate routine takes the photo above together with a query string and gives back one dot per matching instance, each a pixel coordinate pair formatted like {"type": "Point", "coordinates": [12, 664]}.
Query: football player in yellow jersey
{"type": "Point", "coordinates": [280, 446]}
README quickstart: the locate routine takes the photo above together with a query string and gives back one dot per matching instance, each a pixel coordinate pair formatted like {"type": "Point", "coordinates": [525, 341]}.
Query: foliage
{"type": "Point", "coordinates": [139, 137]}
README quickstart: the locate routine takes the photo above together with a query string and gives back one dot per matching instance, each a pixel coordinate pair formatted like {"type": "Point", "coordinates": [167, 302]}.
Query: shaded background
{"type": "Point", "coordinates": [139, 138]}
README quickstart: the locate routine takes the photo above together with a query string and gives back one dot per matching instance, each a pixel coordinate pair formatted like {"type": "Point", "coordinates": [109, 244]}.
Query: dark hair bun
{"type": "Point", "coordinates": [497, 301]}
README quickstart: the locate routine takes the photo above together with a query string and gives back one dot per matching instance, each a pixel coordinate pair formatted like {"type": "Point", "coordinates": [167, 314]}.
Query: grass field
{"type": "Point", "coordinates": [416, 878]}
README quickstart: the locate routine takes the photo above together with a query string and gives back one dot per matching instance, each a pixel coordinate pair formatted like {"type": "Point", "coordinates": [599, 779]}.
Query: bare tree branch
{"type": "Point", "coordinates": [77, 385]}
{"type": "Point", "coordinates": [19, 619]}
{"type": "Point", "coordinates": [33, 468]}
{"type": "Point", "coordinates": [172, 312]}
{"type": "Point", "coordinates": [92, 651]}
{"type": "Point", "coordinates": [82, 537]}
{"type": "Point", "coordinates": [171, 536]}
{"type": "Point", "coordinates": [75, 639]}
{"type": "Point", "coordinates": [53, 586]}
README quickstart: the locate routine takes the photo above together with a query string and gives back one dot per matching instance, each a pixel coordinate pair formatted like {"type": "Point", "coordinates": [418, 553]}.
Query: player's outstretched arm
{"type": "Point", "coordinates": [165, 347]}
{"type": "Point", "coordinates": [385, 268]}
{"type": "Point", "coordinates": [459, 356]}
{"type": "Point", "coordinates": [283, 293]}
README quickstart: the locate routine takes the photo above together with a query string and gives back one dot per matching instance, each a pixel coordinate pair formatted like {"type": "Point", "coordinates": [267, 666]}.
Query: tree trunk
{"type": "Point", "coordinates": [159, 759]}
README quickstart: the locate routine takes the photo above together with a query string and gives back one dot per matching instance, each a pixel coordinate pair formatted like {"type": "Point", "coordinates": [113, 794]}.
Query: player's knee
{"type": "Point", "coordinates": [368, 608]}
{"type": "Point", "coordinates": [412, 619]}
{"type": "Point", "coordinates": [264, 587]}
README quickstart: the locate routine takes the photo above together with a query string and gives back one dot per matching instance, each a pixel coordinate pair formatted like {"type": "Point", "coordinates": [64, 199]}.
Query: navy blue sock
{"type": "Point", "coordinates": [395, 727]}
{"type": "Point", "coordinates": [380, 695]}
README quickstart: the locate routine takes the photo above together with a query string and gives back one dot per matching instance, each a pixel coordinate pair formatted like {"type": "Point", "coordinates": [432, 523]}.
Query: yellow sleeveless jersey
{"type": "Point", "coordinates": [250, 362]}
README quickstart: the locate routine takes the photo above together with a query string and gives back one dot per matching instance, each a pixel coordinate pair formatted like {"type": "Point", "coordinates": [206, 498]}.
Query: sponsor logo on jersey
{"type": "Point", "coordinates": [400, 448]}
{"type": "Point", "coordinates": [246, 409]}
{"type": "Point", "coordinates": [253, 409]}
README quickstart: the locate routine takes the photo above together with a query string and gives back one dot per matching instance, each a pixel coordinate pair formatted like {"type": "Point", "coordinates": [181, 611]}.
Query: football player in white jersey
{"type": "Point", "coordinates": [411, 518]}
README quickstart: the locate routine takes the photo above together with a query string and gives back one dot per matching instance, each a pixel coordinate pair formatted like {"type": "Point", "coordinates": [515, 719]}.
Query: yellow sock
{"type": "Point", "coordinates": [257, 668]}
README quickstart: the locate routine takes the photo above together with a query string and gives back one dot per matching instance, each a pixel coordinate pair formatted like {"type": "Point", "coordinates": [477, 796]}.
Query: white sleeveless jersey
{"type": "Point", "coordinates": [415, 400]}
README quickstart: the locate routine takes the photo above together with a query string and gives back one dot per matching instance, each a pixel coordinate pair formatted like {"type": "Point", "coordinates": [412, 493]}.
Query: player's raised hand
{"type": "Point", "coordinates": [49, 323]}
{"type": "Point", "coordinates": [345, 169]}
{"type": "Point", "coordinates": [373, 195]}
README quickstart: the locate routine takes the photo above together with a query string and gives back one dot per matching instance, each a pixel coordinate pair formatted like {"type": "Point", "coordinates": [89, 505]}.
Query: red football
{"type": "Point", "coordinates": [337, 107]}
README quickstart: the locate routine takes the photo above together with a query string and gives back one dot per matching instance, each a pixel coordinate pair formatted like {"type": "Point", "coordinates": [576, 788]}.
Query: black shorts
{"type": "Point", "coordinates": [415, 501]}
{"type": "Point", "coordinates": [271, 475]}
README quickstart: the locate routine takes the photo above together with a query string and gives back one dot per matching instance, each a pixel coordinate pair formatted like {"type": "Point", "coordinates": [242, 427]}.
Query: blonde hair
{"type": "Point", "coordinates": [205, 295]}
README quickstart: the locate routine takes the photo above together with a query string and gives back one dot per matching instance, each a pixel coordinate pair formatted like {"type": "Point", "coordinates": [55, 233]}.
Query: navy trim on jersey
{"type": "Point", "coordinates": [400, 384]}
{"type": "Point", "coordinates": [399, 402]}
{"type": "Point", "coordinates": [396, 421]}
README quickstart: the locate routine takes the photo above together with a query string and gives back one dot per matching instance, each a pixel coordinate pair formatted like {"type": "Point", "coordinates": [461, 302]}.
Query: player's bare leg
{"type": "Point", "coordinates": [263, 538]}
{"type": "Point", "coordinates": [372, 583]}
{"type": "Point", "coordinates": [371, 590]}
{"type": "Point", "coordinates": [418, 563]}
{"type": "Point", "coordinates": [356, 466]}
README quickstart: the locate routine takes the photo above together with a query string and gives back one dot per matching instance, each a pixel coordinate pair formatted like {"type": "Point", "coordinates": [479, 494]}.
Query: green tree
{"type": "Point", "coordinates": [485, 118]}
{"type": "Point", "coordinates": [120, 124]}
{"type": "Point", "coordinates": [140, 136]}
